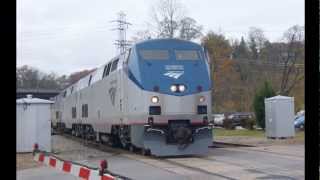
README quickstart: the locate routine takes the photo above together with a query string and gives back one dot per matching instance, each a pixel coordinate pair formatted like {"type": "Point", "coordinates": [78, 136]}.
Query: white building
{"type": "Point", "coordinates": [33, 124]}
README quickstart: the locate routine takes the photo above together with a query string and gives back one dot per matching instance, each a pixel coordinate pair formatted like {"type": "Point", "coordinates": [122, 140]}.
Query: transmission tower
{"type": "Point", "coordinates": [122, 26]}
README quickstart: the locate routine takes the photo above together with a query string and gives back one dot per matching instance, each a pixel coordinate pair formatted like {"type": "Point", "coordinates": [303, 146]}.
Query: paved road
{"type": "Point", "coordinates": [271, 162]}
{"type": "Point", "coordinates": [43, 173]}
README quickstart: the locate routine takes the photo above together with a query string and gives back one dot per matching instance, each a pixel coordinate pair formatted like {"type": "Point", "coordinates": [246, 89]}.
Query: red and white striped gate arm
{"type": "Point", "coordinates": [73, 169]}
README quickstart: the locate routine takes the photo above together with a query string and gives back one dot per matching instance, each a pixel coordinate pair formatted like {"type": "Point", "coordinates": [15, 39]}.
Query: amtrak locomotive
{"type": "Point", "coordinates": [155, 96]}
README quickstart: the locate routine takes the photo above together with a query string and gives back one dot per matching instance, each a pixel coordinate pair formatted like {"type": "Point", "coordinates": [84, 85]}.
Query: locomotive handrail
{"type": "Point", "coordinates": [157, 130]}
{"type": "Point", "coordinates": [202, 128]}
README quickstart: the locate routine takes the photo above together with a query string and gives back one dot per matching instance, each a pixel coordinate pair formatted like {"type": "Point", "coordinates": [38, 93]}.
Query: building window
{"type": "Point", "coordinates": [84, 109]}
{"type": "Point", "coordinates": [74, 112]}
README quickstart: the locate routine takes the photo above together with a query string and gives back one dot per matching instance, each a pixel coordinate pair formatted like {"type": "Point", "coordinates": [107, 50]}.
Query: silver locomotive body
{"type": "Point", "coordinates": [146, 98]}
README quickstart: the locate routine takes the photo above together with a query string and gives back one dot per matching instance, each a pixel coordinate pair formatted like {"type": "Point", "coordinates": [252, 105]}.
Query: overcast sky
{"type": "Point", "coordinates": [64, 36]}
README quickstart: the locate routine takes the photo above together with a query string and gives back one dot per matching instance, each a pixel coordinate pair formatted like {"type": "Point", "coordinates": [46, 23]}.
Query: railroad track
{"type": "Point", "coordinates": [115, 150]}
{"type": "Point", "coordinates": [152, 160]}
{"type": "Point", "coordinates": [181, 162]}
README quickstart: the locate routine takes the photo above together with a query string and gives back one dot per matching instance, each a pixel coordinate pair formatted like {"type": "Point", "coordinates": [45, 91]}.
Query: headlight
{"type": "Point", "coordinates": [173, 88]}
{"type": "Point", "coordinates": [182, 88]}
{"type": "Point", "coordinates": [154, 99]}
{"type": "Point", "coordinates": [202, 99]}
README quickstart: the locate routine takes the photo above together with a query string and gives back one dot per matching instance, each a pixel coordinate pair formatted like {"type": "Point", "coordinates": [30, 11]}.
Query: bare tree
{"type": "Point", "coordinates": [142, 35]}
{"type": "Point", "coordinates": [189, 29]}
{"type": "Point", "coordinates": [27, 77]}
{"type": "Point", "coordinates": [169, 20]}
{"type": "Point", "coordinates": [167, 14]}
{"type": "Point", "coordinates": [31, 78]}
{"type": "Point", "coordinates": [256, 41]}
{"type": "Point", "coordinates": [292, 52]}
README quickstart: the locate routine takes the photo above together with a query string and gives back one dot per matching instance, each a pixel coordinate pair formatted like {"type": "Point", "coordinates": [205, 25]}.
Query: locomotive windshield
{"type": "Point", "coordinates": [159, 63]}
{"type": "Point", "coordinates": [186, 55]}
{"type": "Point", "coordinates": [154, 54]}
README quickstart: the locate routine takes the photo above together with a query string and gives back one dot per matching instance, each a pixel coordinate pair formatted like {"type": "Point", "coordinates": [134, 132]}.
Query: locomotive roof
{"type": "Point", "coordinates": [160, 43]}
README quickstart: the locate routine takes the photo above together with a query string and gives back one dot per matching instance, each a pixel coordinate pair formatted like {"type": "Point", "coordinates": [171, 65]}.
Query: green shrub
{"type": "Point", "coordinates": [265, 91]}
{"type": "Point", "coordinates": [248, 123]}
{"type": "Point", "coordinates": [227, 124]}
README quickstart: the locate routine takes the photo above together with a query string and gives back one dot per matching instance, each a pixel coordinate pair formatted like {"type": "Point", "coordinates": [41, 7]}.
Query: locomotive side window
{"type": "Point", "coordinates": [57, 114]}
{"type": "Point", "coordinates": [108, 69]}
{"type": "Point", "coordinates": [84, 109]}
{"type": "Point", "coordinates": [128, 56]}
{"type": "Point", "coordinates": [186, 55]}
{"type": "Point", "coordinates": [89, 80]}
{"type": "Point", "coordinates": [114, 65]}
{"type": "Point", "coordinates": [74, 112]}
{"type": "Point", "coordinates": [105, 71]}
{"type": "Point", "coordinates": [154, 54]}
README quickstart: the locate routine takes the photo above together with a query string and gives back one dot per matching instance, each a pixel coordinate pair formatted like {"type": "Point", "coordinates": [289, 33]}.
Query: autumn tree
{"type": "Point", "coordinates": [222, 71]}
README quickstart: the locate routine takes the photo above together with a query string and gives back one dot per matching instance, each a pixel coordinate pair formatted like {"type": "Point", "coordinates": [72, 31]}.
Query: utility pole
{"type": "Point", "coordinates": [122, 26]}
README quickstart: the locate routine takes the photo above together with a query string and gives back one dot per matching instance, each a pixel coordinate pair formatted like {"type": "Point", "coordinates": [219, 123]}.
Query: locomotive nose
{"type": "Point", "coordinates": [178, 105]}
{"type": "Point", "coordinates": [182, 135]}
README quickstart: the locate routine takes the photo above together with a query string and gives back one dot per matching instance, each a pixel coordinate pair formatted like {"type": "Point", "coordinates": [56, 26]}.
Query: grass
{"type": "Point", "coordinates": [238, 132]}
{"type": "Point", "coordinates": [250, 133]}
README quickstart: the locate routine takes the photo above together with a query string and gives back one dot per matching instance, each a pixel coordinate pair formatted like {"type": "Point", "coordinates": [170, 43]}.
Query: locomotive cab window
{"type": "Point", "coordinates": [106, 70]}
{"type": "Point", "coordinates": [186, 55]}
{"type": "Point", "coordinates": [154, 54]}
{"type": "Point", "coordinates": [114, 65]}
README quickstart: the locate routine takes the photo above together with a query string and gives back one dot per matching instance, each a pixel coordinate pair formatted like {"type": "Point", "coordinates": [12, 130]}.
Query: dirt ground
{"type": "Point", "coordinates": [25, 161]}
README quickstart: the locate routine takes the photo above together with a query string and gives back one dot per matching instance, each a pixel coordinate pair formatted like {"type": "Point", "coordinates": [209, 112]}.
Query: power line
{"type": "Point", "coordinates": [123, 25]}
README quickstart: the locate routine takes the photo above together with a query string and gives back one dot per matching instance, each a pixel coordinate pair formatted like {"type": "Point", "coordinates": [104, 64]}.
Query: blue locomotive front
{"type": "Point", "coordinates": [174, 77]}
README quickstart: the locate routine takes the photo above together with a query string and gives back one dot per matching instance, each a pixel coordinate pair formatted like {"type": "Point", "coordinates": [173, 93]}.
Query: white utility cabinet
{"type": "Point", "coordinates": [33, 124]}
{"type": "Point", "coordinates": [279, 119]}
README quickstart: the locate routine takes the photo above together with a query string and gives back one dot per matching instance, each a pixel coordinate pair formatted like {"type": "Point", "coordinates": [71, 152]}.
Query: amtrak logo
{"type": "Point", "coordinates": [174, 74]}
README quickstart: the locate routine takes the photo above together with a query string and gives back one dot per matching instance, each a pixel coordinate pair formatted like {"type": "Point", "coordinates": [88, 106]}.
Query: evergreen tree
{"type": "Point", "coordinates": [253, 49]}
{"type": "Point", "coordinates": [266, 91]}
{"type": "Point", "coordinates": [241, 51]}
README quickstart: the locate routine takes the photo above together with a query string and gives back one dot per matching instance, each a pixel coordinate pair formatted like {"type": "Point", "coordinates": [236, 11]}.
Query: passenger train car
{"type": "Point", "coordinates": [156, 96]}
